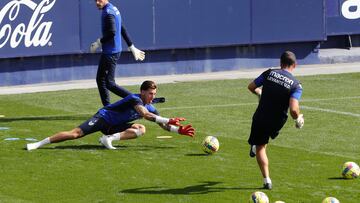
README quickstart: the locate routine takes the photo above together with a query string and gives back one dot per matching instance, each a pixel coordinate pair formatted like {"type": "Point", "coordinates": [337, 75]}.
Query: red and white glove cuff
{"type": "Point", "coordinates": [159, 119]}
{"type": "Point", "coordinates": [174, 129]}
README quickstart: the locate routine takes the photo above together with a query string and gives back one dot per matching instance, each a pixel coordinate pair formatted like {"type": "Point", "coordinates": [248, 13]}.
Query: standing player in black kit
{"type": "Point", "coordinates": [280, 91]}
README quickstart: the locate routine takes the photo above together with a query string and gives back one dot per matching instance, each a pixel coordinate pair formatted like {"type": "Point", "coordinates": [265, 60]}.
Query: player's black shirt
{"type": "Point", "coordinates": [278, 86]}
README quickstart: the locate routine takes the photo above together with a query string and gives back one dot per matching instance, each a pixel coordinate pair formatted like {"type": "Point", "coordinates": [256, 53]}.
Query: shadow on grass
{"type": "Point", "coordinates": [100, 147]}
{"type": "Point", "coordinates": [147, 147]}
{"type": "Point", "coordinates": [199, 154]}
{"type": "Point", "coordinates": [337, 178]}
{"type": "Point", "coordinates": [203, 188]}
{"type": "Point", "coordinates": [80, 147]}
{"type": "Point", "coordinates": [73, 147]}
{"type": "Point", "coordinates": [39, 118]}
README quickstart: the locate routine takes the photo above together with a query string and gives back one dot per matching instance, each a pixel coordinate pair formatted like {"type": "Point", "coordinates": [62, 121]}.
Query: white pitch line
{"type": "Point", "coordinates": [331, 111]}
{"type": "Point", "coordinates": [255, 103]}
{"type": "Point", "coordinates": [330, 99]}
{"type": "Point", "coordinates": [208, 106]}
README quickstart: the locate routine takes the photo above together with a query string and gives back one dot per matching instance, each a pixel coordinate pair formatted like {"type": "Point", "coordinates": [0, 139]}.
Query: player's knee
{"type": "Point", "coordinates": [110, 84]}
{"type": "Point", "coordinates": [100, 80]}
{"type": "Point", "coordinates": [260, 148]}
{"type": "Point", "coordinates": [140, 131]}
{"type": "Point", "coordinates": [76, 133]}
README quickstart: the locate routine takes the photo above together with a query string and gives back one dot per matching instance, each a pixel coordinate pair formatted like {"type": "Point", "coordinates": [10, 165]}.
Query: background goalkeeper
{"type": "Point", "coordinates": [115, 120]}
{"type": "Point", "coordinates": [112, 29]}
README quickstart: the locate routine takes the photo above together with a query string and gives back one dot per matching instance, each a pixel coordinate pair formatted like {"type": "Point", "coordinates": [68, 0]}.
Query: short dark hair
{"type": "Point", "coordinates": [148, 84]}
{"type": "Point", "coordinates": [287, 59]}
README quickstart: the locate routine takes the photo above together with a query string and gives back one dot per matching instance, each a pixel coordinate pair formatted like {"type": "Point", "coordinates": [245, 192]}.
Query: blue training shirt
{"type": "Point", "coordinates": [278, 86]}
{"type": "Point", "coordinates": [123, 111]}
{"type": "Point", "coordinates": [114, 45]}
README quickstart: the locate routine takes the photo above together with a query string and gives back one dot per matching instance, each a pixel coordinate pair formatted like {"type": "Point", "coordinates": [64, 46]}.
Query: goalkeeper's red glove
{"type": "Point", "coordinates": [175, 121]}
{"type": "Point", "coordinates": [187, 130]}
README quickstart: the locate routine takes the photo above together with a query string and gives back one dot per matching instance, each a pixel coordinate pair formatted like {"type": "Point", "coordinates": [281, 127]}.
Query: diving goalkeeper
{"type": "Point", "coordinates": [115, 120]}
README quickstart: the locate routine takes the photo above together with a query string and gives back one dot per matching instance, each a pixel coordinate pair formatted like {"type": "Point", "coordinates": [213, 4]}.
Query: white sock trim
{"type": "Point", "coordinates": [116, 136]}
{"type": "Point", "coordinates": [46, 141]}
{"type": "Point", "coordinates": [253, 148]}
{"type": "Point", "coordinates": [267, 180]}
{"type": "Point", "coordinates": [36, 145]}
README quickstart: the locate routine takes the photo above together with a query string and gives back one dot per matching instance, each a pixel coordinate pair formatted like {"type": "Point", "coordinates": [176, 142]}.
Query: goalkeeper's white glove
{"type": "Point", "coordinates": [137, 53]}
{"type": "Point", "coordinates": [299, 122]}
{"type": "Point", "coordinates": [95, 45]}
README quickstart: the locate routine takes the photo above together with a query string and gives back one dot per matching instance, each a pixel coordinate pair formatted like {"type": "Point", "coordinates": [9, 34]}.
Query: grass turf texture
{"type": "Point", "coordinates": [305, 165]}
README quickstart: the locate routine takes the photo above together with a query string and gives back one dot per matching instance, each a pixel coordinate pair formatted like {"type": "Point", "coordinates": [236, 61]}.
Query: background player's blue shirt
{"type": "Point", "coordinates": [278, 86]}
{"type": "Point", "coordinates": [114, 45]}
{"type": "Point", "coordinates": [123, 111]}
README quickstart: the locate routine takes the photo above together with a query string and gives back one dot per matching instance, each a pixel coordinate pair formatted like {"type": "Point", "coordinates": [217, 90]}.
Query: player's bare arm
{"type": "Point", "coordinates": [294, 108]}
{"type": "Point", "coordinates": [165, 127]}
{"type": "Point", "coordinates": [183, 130]}
{"type": "Point", "coordinates": [155, 118]}
{"type": "Point", "coordinates": [145, 113]}
{"type": "Point", "coordinates": [295, 112]}
{"type": "Point", "coordinates": [254, 89]}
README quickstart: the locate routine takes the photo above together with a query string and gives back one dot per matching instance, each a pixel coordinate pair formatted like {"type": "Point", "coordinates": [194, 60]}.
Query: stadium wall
{"type": "Point", "coordinates": [48, 40]}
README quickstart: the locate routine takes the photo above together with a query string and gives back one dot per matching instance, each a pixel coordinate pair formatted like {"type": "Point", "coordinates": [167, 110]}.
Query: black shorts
{"type": "Point", "coordinates": [97, 123]}
{"type": "Point", "coordinates": [261, 131]}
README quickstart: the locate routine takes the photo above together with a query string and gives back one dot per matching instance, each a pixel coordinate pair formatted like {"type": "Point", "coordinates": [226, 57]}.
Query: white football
{"type": "Point", "coordinates": [259, 197]}
{"type": "Point", "coordinates": [330, 200]}
{"type": "Point", "coordinates": [350, 170]}
{"type": "Point", "coordinates": [210, 144]}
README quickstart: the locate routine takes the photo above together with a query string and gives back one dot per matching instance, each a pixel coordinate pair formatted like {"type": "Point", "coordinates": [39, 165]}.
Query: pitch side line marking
{"type": "Point", "coordinates": [330, 99]}
{"type": "Point", "coordinates": [330, 111]}
{"type": "Point", "coordinates": [233, 105]}
{"type": "Point", "coordinates": [207, 106]}
{"type": "Point", "coordinates": [318, 152]}
{"type": "Point", "coordinates": [254, 103]}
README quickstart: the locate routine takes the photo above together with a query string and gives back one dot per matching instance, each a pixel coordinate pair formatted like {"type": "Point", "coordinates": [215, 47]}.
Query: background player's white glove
{"type": "Point", "coordinates": [137, 53]}
{"type": "Point", "coordinates": [95, 45]}
{"type": "Point", "coordinates": [299, 122]}
{"type": "Point", "coordinates": [258, 93]}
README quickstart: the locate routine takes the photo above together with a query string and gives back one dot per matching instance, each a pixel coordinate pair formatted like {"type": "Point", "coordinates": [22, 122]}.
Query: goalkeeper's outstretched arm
{"type": "Point", "coordinates": [169, 124]}
{"type": "Point", "coordinates": [158, 119]}
{"type": "Point", "coordinates": [187, 130]}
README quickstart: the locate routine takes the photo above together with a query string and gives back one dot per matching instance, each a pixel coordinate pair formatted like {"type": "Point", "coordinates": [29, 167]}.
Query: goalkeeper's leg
{"type": "Point", "coordinates": [135, 131]}
{"type": "Point", "coordinates": [58, 137]}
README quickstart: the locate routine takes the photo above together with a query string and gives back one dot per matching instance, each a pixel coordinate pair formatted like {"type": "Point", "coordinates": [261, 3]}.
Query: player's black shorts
{"type": "Point", "coordinates": [261, 131]}
{"type": "Point", "coordinates": [97, 123]}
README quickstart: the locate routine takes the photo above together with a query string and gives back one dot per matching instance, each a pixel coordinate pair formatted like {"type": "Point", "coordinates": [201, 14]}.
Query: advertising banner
{"type": "Point", "coordinates": [343, 17]}
{"type": "Point", "coordinates": [57, 27]}
{"type": "Point", "coordinates": [38, 27]}
{"type": "Point", "coordinates": [287, 21]}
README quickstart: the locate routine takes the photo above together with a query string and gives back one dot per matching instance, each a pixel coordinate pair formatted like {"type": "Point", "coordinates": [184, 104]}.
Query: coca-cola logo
{"type": "Point", "coordinates": [32, 33]}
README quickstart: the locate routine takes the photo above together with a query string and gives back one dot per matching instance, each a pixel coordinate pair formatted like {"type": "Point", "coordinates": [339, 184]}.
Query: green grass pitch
{"type": "Point", "coordinates": [305, 165]}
